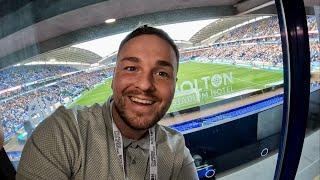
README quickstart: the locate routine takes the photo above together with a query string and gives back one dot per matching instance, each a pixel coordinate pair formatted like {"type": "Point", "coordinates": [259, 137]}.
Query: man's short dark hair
{"type": "Point", "coordinates": [145, 29]}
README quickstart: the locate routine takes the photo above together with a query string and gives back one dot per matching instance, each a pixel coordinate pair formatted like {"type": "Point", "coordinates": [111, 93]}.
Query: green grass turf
{"type": "Point", "coordinates": [242, 79]}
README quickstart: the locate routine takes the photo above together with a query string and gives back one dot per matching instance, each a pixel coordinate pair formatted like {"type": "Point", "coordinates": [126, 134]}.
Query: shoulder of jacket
{"type": "Point", "coordinates": [174, 138]}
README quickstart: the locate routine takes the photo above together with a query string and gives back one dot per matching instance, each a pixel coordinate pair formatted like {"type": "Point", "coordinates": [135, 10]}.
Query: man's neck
{"type": "Point", "coordinates": [126, 130]}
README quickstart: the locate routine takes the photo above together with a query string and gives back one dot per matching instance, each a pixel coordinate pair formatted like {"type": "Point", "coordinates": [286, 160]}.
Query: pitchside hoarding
{"type": "Point", "coordinates": [196, 92]}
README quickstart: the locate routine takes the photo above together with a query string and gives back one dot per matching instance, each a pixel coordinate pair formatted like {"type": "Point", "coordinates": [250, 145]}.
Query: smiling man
{"type": "Point", "coordinates": [120, 139]}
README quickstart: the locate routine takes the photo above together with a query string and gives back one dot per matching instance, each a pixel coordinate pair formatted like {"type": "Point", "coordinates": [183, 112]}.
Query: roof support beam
{"type": "Point", "coordinates": [249, 6]}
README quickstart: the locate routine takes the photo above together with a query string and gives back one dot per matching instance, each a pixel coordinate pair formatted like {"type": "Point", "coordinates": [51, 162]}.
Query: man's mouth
{"type": "Point", "coordinates": [141, 101]}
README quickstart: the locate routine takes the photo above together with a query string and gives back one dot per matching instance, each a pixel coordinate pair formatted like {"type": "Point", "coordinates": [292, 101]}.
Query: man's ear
{"type": "Point", "coordinates": [114, 72]}
{"type": "Point", "coordinates": [112, 84]}
{"type": "Point", "coordinates": [1, 137]}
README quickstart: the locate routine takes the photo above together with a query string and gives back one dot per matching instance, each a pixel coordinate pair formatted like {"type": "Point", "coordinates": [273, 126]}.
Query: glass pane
{"type": "Point", "coordinates": [228, 98]}
{"type": "Point", "coordinates": [235, 93]}
{"type": "Point", "coordinates": [309, 166]}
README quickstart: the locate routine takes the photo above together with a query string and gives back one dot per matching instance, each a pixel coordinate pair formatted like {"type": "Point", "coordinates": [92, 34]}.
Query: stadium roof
{"type": "Point", "coordinates": [218, 26]}
{"type": "Point", "coordinates": [69, 54]}
{"type": "Point", "coordinates": [177, 31]}
{"type": "Point", "coordinates": [29, 28]}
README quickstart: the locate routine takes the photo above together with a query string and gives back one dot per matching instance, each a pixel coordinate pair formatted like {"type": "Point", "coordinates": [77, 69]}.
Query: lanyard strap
{"type": "Point", "coordinates": [118, 144]}
{"type": "Point", "coordinates": [153, 154]}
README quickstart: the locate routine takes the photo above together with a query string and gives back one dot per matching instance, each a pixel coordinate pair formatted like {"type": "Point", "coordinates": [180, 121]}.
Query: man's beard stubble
{"type": "Point", "coordinates": [128, 120]}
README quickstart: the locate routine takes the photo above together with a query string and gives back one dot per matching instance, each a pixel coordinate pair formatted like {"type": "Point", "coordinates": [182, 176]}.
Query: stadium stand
{"type": "Point", "coordinates": [264, 27]}
{"type": "Point", "coordinates": [269, 54]}
{"type": "Point", "coordinates": [14, 111]}
{"type": "Point", "coordinates": [255, 42]}
{"type": "Point", "coordinates": [18, 75]}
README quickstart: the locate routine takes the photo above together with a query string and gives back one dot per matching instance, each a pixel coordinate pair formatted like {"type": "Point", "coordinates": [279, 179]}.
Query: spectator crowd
{"type": "Point", "coordinates": [17, 75]}
{"type": "Point", "coordinates": [14, 111]}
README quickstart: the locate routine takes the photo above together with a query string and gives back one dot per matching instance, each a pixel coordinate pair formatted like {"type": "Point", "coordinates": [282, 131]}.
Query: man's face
{"type": "Point", "coordinates": [144, 81]}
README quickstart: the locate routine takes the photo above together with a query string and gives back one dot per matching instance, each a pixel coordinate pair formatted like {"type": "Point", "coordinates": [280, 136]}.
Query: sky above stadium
{"type": "Point", "coordinates": [178, 31]}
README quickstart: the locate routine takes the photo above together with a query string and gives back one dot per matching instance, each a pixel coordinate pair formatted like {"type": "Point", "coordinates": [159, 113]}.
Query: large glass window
{"type": "Point", "coordinates": [229, 95]}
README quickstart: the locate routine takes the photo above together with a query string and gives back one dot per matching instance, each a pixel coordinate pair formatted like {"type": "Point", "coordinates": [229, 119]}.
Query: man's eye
{"type": "Point", "coordinates": [163, 74]}
{"type": "Point", "coordinates": [130, 68]}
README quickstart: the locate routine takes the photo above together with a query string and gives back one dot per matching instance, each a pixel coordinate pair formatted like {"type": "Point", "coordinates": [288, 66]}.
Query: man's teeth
{"type": "Point", "coordinates": [142, 101]}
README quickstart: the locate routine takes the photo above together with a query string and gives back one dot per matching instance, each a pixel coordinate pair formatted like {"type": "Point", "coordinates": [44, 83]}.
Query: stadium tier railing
{"type": "Point", "coordinates": [229, 115]}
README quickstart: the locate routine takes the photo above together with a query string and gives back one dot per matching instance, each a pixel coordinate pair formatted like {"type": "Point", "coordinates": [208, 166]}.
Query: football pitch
{"type": "Point", "coordinates": [199, 84]}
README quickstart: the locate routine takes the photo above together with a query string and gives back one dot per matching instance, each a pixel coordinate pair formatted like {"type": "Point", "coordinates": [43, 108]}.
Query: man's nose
{"type": "Point", "coordinates": [146, 82]}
